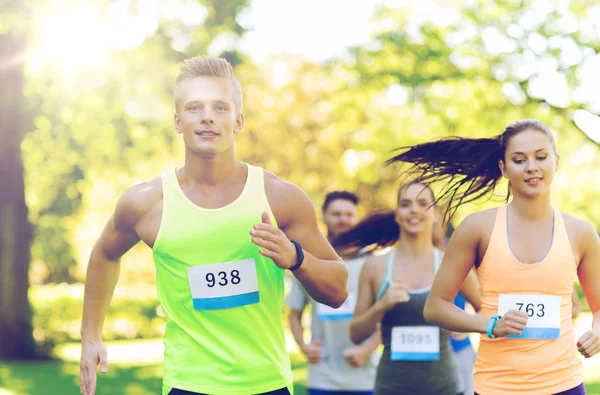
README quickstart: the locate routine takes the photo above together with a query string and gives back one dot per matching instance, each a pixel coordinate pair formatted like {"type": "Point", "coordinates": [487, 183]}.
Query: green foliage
{"type": "Point", "coordinates": [134, 313]}
{"type": "Point", "coordinates": [104, 124]}
{"type": "Point", "coordinates": [96, 131]}
{"type": "Point", "coordinates": [458, 82]}
{"type": "Point", "coordinates": [14, 17]}
{"type": "Point", "coordinates": [57, 308]}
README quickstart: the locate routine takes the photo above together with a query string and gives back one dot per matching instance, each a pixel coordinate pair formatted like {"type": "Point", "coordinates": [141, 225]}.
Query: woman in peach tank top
{"type": "Point", "coordinates": [527, 255]}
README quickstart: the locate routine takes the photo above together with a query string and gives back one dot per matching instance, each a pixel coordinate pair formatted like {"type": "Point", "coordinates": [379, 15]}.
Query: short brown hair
{"type": "Point", "coordinates": [206, 66]}
{"type": "Point", "coordinates": [341, 195]}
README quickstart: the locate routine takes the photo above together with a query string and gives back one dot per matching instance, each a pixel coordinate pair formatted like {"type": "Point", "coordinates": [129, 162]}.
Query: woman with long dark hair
{"type": "Point", "coordinates": [393, 287]}
{"type": "Point", "coordinates": [527, 255]}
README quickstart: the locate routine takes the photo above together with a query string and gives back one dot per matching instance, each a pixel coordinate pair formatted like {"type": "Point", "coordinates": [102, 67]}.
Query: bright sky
{"type": "Point", "coordinates": [317, 29]}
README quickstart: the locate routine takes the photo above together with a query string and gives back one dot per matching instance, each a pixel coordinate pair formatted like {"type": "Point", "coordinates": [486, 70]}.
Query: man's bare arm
{"type": "Point", "coordinates": [323, 273]}
{"type": "Point", "coordinates": [118, 236]}
{"type": "Point", "coordinates": [103, 273]}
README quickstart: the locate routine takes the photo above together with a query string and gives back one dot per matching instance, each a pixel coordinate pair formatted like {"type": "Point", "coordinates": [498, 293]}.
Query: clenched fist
{"type": "Point", "coordinates": [356, 356]}
{"type": "Point", "coordinates": [513, 323]}
{"type": "Point", "coordinates": [313, 351]}
{"type": "Point", "coordinates": [589, 344]}
{"type": "Point", "coordinates": [396, 293]}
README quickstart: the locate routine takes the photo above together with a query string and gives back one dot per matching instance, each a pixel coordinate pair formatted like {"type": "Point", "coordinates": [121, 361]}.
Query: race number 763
{"type": "Point", "coordinates": [543, 314]}
{"type": "Point", "coordinates": [532, 309]}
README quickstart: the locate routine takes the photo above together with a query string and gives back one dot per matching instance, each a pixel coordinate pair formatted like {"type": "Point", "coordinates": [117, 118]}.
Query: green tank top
{"type": "Point", "coordinates": [222, 300]}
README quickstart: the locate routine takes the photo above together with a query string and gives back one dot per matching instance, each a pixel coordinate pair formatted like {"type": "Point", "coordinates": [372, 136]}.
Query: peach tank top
{"type": "Point", "coordinates": [546, 362]}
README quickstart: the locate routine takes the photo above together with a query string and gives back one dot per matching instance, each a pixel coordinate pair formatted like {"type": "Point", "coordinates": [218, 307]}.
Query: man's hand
{"type": "Point", "coordinates": [313, 351]}
{"type": "Point", "coordinates": [356, 356]}
{"type": "Point", "coordinates": [274, 243]}
{"type": "Point", "coordinates": [92, 355]}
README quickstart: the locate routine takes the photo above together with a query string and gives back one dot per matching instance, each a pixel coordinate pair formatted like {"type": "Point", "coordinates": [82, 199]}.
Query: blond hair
{"type": "Point", "coordinates": [206, 66]}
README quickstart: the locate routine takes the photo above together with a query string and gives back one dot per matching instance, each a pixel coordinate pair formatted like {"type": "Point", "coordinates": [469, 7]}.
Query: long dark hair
{"type": "Point", "coordinates": [379, 229]}
{"type": "Point", "coordinates": [469, 166]}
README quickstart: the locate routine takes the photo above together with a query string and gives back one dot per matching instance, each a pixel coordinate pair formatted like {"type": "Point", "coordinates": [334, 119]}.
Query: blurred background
{"type": "Point", "coordinates": [330, 88]}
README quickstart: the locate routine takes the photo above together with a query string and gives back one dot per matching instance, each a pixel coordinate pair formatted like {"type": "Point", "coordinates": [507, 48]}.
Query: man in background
{"type": "Point", "coordinates": [336, 365]}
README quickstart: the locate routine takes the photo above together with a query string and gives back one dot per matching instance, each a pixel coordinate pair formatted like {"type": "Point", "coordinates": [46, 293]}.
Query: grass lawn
{"type": "Point", "coordinates": [135, 369]}
{"type": "Point", "coordinates": [141, 375]}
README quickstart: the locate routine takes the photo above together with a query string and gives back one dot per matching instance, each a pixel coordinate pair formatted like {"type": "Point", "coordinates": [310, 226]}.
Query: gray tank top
{"type": "Point", "coordinates": [432, 377]}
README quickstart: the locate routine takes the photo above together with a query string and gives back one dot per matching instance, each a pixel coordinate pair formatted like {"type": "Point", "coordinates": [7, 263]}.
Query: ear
{"type": "Point", "coordinates": [502, 168]}
{"type": "Point", "coordinates": [177, 124]}
{"type": "Point", "coordinates": [557, 160]}
{"type": "Point", "coordinates": [239, 123]}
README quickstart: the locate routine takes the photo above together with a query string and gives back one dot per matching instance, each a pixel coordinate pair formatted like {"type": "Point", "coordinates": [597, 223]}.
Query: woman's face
{"type": "Point", "coordinates": [416, 213]}
{"type": "Point", "coordinates": [529, 163]}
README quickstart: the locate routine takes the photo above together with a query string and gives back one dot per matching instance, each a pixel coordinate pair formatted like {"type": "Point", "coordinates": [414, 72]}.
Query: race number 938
{"type": "Point", "coordinates": [224, 285]}
{"type": "Point", "coordinates": [223, 278]}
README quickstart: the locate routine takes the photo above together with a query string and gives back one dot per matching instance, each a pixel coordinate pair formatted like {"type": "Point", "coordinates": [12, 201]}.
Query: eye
{"type": "Point", "coordinates": [541, 157]}
{"type": "Point", "coordinates": [518, 161]}
{"type": "Point", "coordinates": [193, 108]}
{"type": "Point", "coordinates": [221, 108]}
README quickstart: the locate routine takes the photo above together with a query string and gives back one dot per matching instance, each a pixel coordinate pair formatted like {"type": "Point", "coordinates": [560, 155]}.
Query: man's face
{"type": "Point", "coordinates": [206, 115]}
{"type": "Point", "coordinates": [340, 216]}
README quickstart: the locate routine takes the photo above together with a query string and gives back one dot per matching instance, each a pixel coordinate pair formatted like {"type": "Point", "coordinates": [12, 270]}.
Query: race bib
{"type": "Point", "coordinates": [224, 285]}
{"type": "Point", "coordinates": [344, 312]}
{"type": "Point", "coordinates": [415, 343]}
{"type": "Point", "coordinates": [543, 313]}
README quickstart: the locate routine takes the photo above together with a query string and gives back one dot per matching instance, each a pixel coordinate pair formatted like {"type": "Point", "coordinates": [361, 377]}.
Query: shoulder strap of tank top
{"type": "Point", "coordinates": [387, 280]}
{"type": "Point", "coordinates": [170, 184]}
{"type": "Point", "coordinates": [255, 181]}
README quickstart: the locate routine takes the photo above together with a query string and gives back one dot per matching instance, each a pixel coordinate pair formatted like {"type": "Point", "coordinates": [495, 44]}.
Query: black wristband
{"type": "Point", "coordinates": [299, 255]}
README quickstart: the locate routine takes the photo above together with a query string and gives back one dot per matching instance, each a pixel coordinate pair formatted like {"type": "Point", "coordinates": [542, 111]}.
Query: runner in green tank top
{"type": "Point", "coordinates": [221, 233]}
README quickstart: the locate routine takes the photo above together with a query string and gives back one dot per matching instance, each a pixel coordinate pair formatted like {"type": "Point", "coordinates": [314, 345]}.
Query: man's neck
{"type": "Point", "coordinates": [211, 170]}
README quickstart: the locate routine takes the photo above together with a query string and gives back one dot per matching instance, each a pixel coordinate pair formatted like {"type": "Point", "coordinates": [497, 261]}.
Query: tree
{"type": "Point", "coordinates": [57, 146]}
{"type": "Point", "coordinates": [472, 70]}
{"type": "Point", "coordinates": [84, 132]}
{"type": "Point", "coordinates": [15, 230]}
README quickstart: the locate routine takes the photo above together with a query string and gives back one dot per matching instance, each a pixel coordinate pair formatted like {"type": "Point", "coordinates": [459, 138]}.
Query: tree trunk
{"type": "Point", "coordinates": [16, 339]}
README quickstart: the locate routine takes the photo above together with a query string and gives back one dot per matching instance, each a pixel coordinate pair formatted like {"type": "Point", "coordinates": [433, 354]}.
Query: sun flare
{"type": "Point", "coordinates": [72, 39]}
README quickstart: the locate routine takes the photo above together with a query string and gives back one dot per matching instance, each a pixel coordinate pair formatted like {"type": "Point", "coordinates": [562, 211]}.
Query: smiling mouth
{"type": "Point", "coordinates": [206, 133]}
{"type": "Point", "coordinates": [534, 180]}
